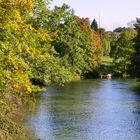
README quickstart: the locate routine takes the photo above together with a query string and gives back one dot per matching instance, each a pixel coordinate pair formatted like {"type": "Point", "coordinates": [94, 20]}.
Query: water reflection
{"type": "Point", "coordinates": [89, 109]}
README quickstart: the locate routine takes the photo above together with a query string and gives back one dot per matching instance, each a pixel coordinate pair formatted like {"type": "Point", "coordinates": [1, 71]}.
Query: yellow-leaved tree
{"type": "Point", "coordinates": [22, 47]}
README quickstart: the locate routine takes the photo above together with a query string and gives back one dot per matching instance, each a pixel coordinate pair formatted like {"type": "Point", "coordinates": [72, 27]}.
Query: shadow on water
{"type": "Point", "coordinates": [136, 89]}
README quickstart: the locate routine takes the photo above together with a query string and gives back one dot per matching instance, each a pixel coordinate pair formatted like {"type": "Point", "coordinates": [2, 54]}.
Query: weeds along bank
{"type": "Point", "coordinates": [12, 118]}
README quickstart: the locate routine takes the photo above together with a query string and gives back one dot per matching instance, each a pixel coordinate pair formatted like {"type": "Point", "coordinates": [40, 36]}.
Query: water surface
{"type": "Point", "coordinates": [87, 110]}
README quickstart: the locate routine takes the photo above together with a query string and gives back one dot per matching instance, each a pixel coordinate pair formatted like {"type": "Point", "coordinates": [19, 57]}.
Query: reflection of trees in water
{"type": "Point", "coordinates": [78, 107]}
{"type": "Point", "coordinates": [69, 107]}
{"type": "Point", "coordinates": [30, 105]}
{"type": "Point", "coordinates": [136, 89]}
{"type": "Point", "coordinates": [58, 110]}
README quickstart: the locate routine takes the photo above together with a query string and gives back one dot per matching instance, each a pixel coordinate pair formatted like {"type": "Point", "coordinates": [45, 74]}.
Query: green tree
{"type": "Point", "coordinates": [73, 43]}
{"type": "Point", "coordinates": [119, 29]}
{"type": "Point", "coordinates": [94, 25]}
{"type": "Point", "coordinates": [124, 52]}
{"type": "Point", "coordinates": [105, 42]}
{"type": "Point", "coordinates": [136, 57]}
{"type": "Point", "coordinates": [113, 37]}
{"type": "Point", "coordinates": [94, 50]}
{"type": "Point", "coordinates": [23, 48]}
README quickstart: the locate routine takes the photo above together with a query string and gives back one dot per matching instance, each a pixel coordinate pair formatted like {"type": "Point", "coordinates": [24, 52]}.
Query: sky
{"type": "Point", "coordinates": [110, 13]}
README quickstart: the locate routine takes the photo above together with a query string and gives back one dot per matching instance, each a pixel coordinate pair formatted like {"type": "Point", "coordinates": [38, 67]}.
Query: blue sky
{"type": "Point", "coordinates": [112, 13]}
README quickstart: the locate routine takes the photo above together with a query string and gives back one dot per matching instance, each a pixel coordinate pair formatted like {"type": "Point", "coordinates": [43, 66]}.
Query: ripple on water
{"type": "Point", "coordinates": [88, 110]}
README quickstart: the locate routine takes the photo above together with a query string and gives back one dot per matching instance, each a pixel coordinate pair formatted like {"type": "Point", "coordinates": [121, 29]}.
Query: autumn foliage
{"type": "Point", "coordinates": [53, 46]}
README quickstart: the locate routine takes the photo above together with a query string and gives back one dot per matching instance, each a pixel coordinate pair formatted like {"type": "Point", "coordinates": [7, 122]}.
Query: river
{"type": "Point", "coordinates": [102, 109]}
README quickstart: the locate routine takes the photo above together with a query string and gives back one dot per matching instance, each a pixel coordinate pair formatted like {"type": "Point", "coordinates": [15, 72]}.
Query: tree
{"type": "Point", "coordinates": [94, 25]}
{"type": "Point", "coordinates": [73, 43]}
{"type": "Point", "coordinates": [104, 41]}
{"type": "Point", "coordinates": [95, 48]}
{"type": "Point", "coordinates": [23, 48]}
{"type": "Point", "coordinates": [136, 57]}
{"type": "Point", "coordinates": [119, 29]}
{"type": "Point", "coordinates": [124, 51]}
{"type": "Point", "coordinates": [113, 37]}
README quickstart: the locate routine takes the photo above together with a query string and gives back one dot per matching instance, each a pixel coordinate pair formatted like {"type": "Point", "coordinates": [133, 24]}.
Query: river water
{"type": "Point", "coordinates": [87, 110]}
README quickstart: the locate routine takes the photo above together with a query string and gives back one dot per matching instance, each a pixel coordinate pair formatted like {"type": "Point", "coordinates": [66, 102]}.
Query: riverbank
{"type": "Point", "coordinates": [12, 118]}
{"type": "Point", "coordinates": [14, 109]}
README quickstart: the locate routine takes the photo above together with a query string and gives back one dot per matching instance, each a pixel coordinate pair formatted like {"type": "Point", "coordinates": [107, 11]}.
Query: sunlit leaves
{"type": "Point", "coordinates": [20, 46]}
{"type": "Point", "coordinates": [124, 51]}
{"type": "Point", "coordinates": [53, 46]}
{"type": "Point", "coordinates": [104, 41]}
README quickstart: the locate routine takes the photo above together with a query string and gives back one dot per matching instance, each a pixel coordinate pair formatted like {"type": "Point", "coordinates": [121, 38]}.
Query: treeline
{"type": "Point", "coordinates": [43, 46]}
{"type": "Point", "coordinates": [125, 51]}
{"type": "Point", "coordinates": [39, 45]}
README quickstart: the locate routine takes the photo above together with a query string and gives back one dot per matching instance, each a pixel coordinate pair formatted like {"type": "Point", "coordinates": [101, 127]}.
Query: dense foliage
{"type": "Point", "coordinates": [123, 52]}
{"type": "Point", "coordinates": [39, 45]}
{"type": "Point", "coordinates": [42, 45]}
{"type": "Point", "coordinates": [105, 42]}
{"type": "Point", "coordinates": [136, 56]}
